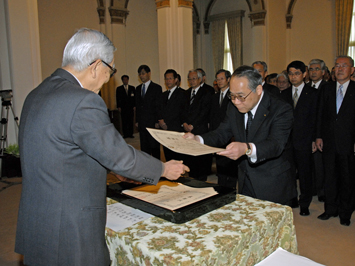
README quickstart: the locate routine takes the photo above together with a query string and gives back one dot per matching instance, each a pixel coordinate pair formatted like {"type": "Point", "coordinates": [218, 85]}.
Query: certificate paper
{"type": "Point", "coordinates": [175, 142]}
{"type": "Point", "coordinates": [120, 216]}
{"type": "Point", "coordinates": [170, 195]}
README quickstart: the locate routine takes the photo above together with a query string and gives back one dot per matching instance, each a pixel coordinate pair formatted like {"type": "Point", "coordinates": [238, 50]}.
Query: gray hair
{"type": "Point", "coordinates": [199, 74]}
{"type": "Point", "coordinates": [251, 74]}
{"type": "Point", "coordinates": [318, 62]}
{"type": "Point", "coordinates": [283, 75]}
{"type": "Point", "coordinates": [345, 56]}
{"type": "Point", "coordinates": [260, 63]}
{"type": "Point", "coordinates": [86, 46]}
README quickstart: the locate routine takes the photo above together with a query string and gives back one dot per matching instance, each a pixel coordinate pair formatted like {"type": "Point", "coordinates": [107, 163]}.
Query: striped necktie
{"type": "Point", "coordinates": [192, 97]}
{"type": "Point", "coordinates": [295, 98]}
{"type": "Point", "coordinates": [340, 97]}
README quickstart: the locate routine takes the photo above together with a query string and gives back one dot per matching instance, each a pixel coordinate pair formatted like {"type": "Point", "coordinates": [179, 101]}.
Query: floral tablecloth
{"type": "Point", "coordinates": [243, 232]}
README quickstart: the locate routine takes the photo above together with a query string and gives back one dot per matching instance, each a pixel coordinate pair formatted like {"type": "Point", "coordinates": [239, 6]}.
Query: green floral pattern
{"type": "Point", "coordinates": [243, 232]}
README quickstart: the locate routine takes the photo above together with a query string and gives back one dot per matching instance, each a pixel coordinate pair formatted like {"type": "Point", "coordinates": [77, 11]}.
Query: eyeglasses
{"type": "Point", "coordinates": [113, 70]}
{"type": "Point", "coordinates": [342, 66]}
{"type": "Point", "coordinates": [232, 97]}
{"type": "Point", "coordinates": [295, 74]}
{"type": "Point", "coordinates": [190, 79]}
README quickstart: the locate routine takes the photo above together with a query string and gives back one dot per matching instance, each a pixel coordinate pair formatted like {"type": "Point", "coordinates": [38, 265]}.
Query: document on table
{"type": "Point", "coordinates": [175, 142]}
{"type": "Point", "coordinates": [120, 216]}
{"type": "Point", "coordinates": [170, 195]}
{"type": "Point", "coordinates": [281, 257]}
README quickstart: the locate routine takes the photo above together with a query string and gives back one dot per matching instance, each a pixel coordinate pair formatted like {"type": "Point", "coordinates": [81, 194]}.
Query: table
{"type": "Point", "coordinates": [243, 232]}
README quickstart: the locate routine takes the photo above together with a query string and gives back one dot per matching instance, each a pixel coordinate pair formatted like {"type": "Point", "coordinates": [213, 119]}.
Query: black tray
{"type": "Point", "coordinates": [225, 195]}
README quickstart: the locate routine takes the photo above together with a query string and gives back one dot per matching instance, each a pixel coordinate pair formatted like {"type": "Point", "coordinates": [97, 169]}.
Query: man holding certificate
{"type": "Point", "coordinates": [260, 124]}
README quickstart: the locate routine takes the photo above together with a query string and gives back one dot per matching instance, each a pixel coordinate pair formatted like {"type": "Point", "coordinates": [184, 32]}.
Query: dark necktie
{"type": "Point", "coordinates": [314, 85]}
{"type": "Point", "coordinates": [221, 99]}
{"type": "Point", "coordinates": [192, 97]}
{"type": "Point", "coordinates": [250, 120]}
{"type": "Point", "coordinates": [143, 90]}
{"type": "Point", "coordinates": [295, 98]}
{"type": "Point", "coordinates": [167, 96]}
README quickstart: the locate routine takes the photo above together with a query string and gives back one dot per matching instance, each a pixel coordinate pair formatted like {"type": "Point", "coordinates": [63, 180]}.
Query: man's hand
{"type": "Point", "coordinates": [125, 179]}
{"type": "Point", "coordinates": [174, 169]}
{"type": "Point", "coordinates": [234, 150]}
{"type": "Point", "coordinates": [314, 147]}
{"type": "Point", "coordinates": [189, 135]}
{"type": "Point", "coordinates": [156, 125]}
{"type": "Point", "coordinates": [162, 124]}
{"type": "Point", "coordinates": [188, 128]}
{"type": "Point", "coordinates": [319, 144]}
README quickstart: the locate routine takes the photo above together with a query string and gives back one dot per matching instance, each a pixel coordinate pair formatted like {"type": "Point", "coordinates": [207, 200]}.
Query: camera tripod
{"type": "Point", "coordinates": [6, 105]}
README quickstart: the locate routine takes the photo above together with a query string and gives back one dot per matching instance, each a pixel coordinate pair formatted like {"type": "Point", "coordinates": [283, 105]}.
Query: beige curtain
{"type": "Point", "coordinates": [343, 14]}
{"type": "Point", "coordinates": [235, 34]}
{"type": "Point", "coordinates": [218, 29]}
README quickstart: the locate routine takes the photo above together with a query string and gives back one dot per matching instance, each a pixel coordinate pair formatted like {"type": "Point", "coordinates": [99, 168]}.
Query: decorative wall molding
{"type": "Point", "coordinates": [162, 3]}
{"type": "Point", "coordinates": [101, 11]}
{"type": "Point", "coordinates": [289, 15]}
{"type": "Point", "coordinates": [118, 16]}
{"type": "Point", "coordinates": [257, 18]}
{"type": "Point", "coordinates": [185, 3]}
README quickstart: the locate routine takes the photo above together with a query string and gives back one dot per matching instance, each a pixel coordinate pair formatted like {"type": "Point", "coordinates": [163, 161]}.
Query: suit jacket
{"type": "Point", "coordinates": [271, 89]}
{"type": "Point", "coordinates": [67, 143]}
{"type": "Point", "coordinates": [208, 88]}
{"type": "Point", "coordinates": [197, 114]}
{"type": "Point", "coordinates": [172, 110]}
{"type": "Point", "coordinates": [303, 130]}
{"type": "Point", "coordinates": [218, 112]}
{"type": "Point", "coordinates": [125, 101]}
{"type": "Point", "coordinates": [336, 130]}
{"type": "Point", "coordinates": [270, 175]}
{"type": "Point", "coordinates": [148, 108]}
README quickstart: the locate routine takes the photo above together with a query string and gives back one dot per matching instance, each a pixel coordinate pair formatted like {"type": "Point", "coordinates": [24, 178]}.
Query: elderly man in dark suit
{"type": "Point", "coordinates": [303, 99]}
{"type": "Point", "coordinates": [148, 96]}
{"type": "Point", "coordinates": [196, 119]}
{"type": "Point", "coordinates": [261, 125]}
{"type": "Point", "coordinates": [336, 138]}
{"type": "Point", "coordinates": [261, 67]}
{"type": "Point", "coordinates": [317, 69]}
{"type": "Point", "coordinates": [125, 99]}
{"type": "Point", "coordinates": [172, 109]}
{"type": "Point", "coordinates": [67, 144]}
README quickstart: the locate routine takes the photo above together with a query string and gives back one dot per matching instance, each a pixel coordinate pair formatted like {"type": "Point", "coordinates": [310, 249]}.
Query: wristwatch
{"type": "Point", "coordinates": [248, 151]}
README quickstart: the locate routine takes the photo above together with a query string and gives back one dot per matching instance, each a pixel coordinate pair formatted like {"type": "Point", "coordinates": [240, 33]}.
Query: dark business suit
{"type": "Point", "coordinates": [172, 111]}
{"type": "Point", "coordinates": [67, 143]}
{"type": "Point", "coordinates": [126, 101]}
{"type": "Point", "coordinates": [270, 175]}
{"type": "Point", "coordinates": [197, 114]}
{"type": "Point", "coordinates": [147, 112]}
{"type": "Point", "coordinates": [227, 169]}
{"type": "Point", "coordinates": [271, 89]}
{"type": "Point", "coordinates": [318, 167]}
{"type": "Point", "coordinates": [302, 136]}
{"type": "Point", "coordinates": [208, 88]}
{"type": "Point", "coordinates": [338, 134]}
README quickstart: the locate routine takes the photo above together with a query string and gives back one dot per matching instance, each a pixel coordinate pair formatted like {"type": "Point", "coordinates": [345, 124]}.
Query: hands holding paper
{"type": "Point", "coordinates": [233, 151]}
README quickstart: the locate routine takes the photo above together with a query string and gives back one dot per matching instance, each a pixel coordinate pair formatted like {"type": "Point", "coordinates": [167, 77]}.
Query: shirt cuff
{"type": "Point", "coordinates": [201, 139]}
{"type": "Point", "coordinates": [252, 156]}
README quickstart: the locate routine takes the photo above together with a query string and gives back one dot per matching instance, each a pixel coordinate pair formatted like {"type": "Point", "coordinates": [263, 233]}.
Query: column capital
{"type": "Point", "coordinates": [186, 3]}
{"type": "Point", "coordinates": [101, 12]}
{"type": "Point", "coordinates": [162, 3]}
{"type": "Point", "coordinates": [118, 16]}
{"type": "Point", "coordinates": [289, 18]}
{"type": "Point", "coordinates": [257, 18]}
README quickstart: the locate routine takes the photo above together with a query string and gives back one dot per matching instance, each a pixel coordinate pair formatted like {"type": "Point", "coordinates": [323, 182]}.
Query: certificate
{"type": "Point", "coordinates": [175, 142]}
{"type": "Point", "coordinates": [170, 195]}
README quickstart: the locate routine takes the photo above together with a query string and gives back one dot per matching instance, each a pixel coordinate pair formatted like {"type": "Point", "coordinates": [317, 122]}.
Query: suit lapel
{"type": "Point", "coordinates": [348, 99]}
{"type": "Point", "coordinates": [261, 113]}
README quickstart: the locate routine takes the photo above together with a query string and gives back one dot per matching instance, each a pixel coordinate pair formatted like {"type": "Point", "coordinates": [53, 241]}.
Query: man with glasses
{"type": "Point", "coordinates": [303, 99]}
{"type": "Point", "coordinates": [67, 144]}
{"type": "Point", "coordinates": [260, 125]}
{"type": "Point", "coordinates": [335, 139]}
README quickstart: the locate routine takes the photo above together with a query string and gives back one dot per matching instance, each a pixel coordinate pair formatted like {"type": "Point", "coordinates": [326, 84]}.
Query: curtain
{"type": "Point", "coordinates": [218, 29]}
{"type": "Point", "coordinates": [343, 16]}
{"type": "Point", "coordinates": [234, 26]}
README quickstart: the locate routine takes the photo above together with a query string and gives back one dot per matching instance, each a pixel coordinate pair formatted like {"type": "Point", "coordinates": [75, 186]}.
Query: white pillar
{"type": "Point", "coordinates": [175, 37]}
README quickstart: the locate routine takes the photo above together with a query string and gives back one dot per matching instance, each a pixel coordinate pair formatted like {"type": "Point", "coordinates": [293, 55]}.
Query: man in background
{"type": "Point", "coordinates": [62, 213]}
{"type": "Point", "coordinates": [261, 67]}
{"type": "Point", "coordinates": [125, 99]}
{"type": "Point", "coordinates": [148, 96]}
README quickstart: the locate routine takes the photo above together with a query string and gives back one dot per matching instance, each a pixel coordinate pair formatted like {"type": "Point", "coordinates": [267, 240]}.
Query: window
{"type": "Point", "coordinates": [227, 62]}
{"type": "Point", "coordinates": [351, 51]}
